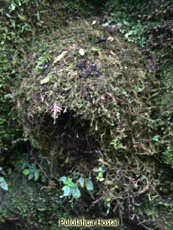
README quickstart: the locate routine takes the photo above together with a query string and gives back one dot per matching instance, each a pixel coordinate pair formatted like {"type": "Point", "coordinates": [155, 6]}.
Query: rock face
{"type": "Point", "coordinates": [87, 103]}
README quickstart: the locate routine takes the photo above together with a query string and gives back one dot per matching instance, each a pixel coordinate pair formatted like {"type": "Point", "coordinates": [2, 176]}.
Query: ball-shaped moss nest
{"type": "Point", "coordinates": [86, 98]}
{"type": "Point", "coordinates": [86, 73]}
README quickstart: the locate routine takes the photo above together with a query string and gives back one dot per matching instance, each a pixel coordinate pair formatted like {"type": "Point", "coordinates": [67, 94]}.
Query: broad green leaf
{"type": "Point", "coordinates": [26, 171]}
{"type": "Point", "coordinates": [9, 95]}
{"type": "Point", "coordinates": [89, 184]}
{"type": "Point", "coordinates": [81, 182]}
{"type": "Point", "coordinates": [1, 179]}
{"type": "Point", "coordinates": [3, 184]}
{"type": "Point", "coordinates": [12, 7]}
{"type": "Point", "coordinates": [66, 190]}
{"type": "Point", "coordinates": [95, 169]}
{"type": "Point", "coordinates": [63, 178]}
{"type": "Point", "coordinates": [156, 138]}
{"type": "Point", "coordinates": [100, 174]}
{"type": "Point", "coordinates": [75, 192]}
{"type": "Point", "coordinates": [108, 198]}
{"type": "Point", "coordinates": [69, 182]}
{"type": "Point", "coordinates": [100, 169]}
{"type": "Point", "coordinates": [36, 175]}
{"type": "Point", "coordinates": [30, 176]}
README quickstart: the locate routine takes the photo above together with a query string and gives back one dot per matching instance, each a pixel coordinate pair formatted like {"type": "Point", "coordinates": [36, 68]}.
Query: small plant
{"type": "Point", "coordinates": [32, 172]}
{"type": "Point", "coordinates": [156, 138]}
{"type": "Point", "coordinates": [100, 171]}
{"type": "Point", "coordinates": [71, 188]}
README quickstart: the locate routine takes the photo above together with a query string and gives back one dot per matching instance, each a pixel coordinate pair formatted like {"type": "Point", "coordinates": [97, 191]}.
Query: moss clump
{"type": "Point", "coordinates": [108, 86]}
{"type": "Point", "coordinates": [86, 98]}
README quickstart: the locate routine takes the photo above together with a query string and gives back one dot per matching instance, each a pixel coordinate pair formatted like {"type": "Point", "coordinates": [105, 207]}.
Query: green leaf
{"type": "Point", "coordinates": [12, 7]}
{"type": "Point", "coordinates": [66, 190]}
{"type": "Point", "coordinates": [75, 192]}
{"type": "Point", "coordinates": [36, 175]}
{"type": "Point", "coordinates": [89, 184]}
{"type": "Point", "coordinates": [100, 175]}
{"type": "Point", "coordinates": [81, 182]}
{"type": "Point", "coordinates": [30, 176]}
{"type": "Point", "coordinates": [26, 171]}
{"type": "Point", "coordinates": [156, 138]}
{"type": "Point", "coordinates": [108, 198]}
{"type": "Point", "coordinates": [100, 169]}
{"type": "Point", "coordinates": [63, 178]}
{"type": "Point", "coordinates": [95, 169]}
{"type": "Point", "coordinates": [9, 95]}
{"type": "Point", "coordinates": [3, 184]}
{"type": "Point", "coordinates": [69, 182]}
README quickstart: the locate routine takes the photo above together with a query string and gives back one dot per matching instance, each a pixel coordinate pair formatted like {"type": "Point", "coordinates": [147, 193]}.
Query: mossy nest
{"type": "Point", "coordinates": [87, 73]}
{"type": "Point", "coordinates": [86, 98]}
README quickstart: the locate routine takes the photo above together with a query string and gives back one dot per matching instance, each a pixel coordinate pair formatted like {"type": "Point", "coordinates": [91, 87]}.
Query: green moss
{"type": "Point", "coordinates": [91, 107]}
{"type": "Point", "coordinates": [89, 100]}
{"type": "Point", "coordinates": [102, 86]}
